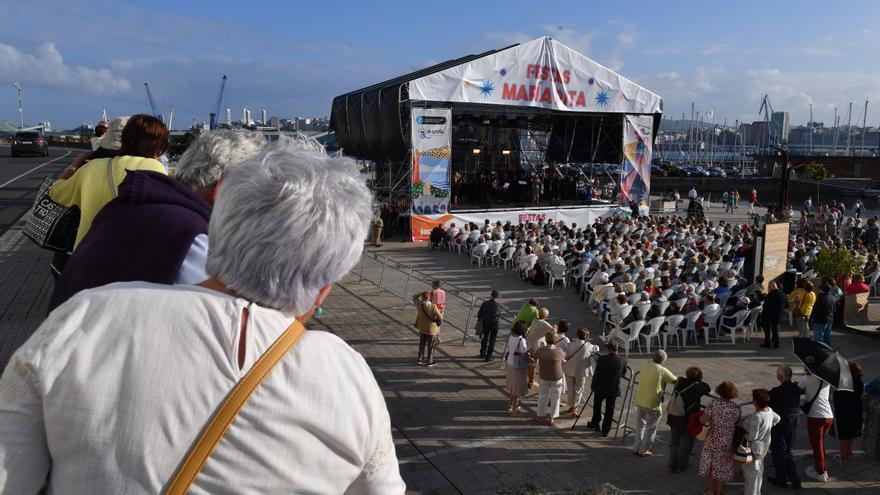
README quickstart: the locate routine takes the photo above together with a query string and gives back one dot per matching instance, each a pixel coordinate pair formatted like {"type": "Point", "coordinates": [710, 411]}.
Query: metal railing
{"type": "Point", "coordinates": [398, 279]}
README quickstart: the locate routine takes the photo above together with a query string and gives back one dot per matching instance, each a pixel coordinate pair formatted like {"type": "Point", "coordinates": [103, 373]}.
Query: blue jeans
{"type": "Point", "coordinates": [822, 332]}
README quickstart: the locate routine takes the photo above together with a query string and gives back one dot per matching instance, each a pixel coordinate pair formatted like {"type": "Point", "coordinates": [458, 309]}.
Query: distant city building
{"type": "Point", "coordinates": [779, 127]}
{"type": "Point", "coordinates": [274, 122]}
{"type": "Point", "coordinates": [263, 119]}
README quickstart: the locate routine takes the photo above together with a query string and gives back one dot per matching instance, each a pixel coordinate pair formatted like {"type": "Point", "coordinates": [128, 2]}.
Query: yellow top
{"type": "Point", "coordinates": [89, 187]}
{"type": "Point", "coordinates": [652, 380]}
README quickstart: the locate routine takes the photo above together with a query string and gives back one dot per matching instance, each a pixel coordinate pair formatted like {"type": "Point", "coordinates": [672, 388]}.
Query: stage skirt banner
{"type": "Point", "coordinates": [635, 175]}
{"type": "Point", "coordinates": [431, 150]}
{"type": "Point", "coordinates": [540, 73]}
{"type": "Point", "coordinates": [423, 224]}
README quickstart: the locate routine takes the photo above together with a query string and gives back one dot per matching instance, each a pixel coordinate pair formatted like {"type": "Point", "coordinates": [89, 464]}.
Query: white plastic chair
{"type": "Point", "coordinates": [506, 258]}
{"type": "Point", "coordinates": [643, 308]}
{"type": "Point", "coordinates": [710, 322]}
{"type": "Point", "coordinates": [752, 327]}
{"type": "Point", "coordinates": [872, 283]}
{"type": "Point", "coordinates": [671, 329]}
{"type": "Point", "coordinates": [558, 272]}
{"type": "Point", "coordinates": [629, 333]}
{"type": "Point", "coordinates": [690, 327]}
{"type": "Point", "coordinates": [479, 254]}
{"type": "Point", "coordinates": [655, 325]}
{"type": "Point", "coordinates": [739, 318]}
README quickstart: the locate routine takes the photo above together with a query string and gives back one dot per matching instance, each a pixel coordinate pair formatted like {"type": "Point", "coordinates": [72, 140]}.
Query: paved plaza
{"type": "Point", "coordinates": [452, 430]}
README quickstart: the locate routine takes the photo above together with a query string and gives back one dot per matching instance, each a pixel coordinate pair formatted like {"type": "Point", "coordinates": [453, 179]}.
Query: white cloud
{"type": "Point", "coordinates": [46, 67]}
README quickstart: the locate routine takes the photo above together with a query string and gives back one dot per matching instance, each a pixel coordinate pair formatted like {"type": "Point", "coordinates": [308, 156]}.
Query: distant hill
{"type": "Point", "coordinates": [7, 126]}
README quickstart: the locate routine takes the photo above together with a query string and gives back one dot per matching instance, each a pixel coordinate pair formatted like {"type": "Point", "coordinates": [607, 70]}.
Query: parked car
{"type": "Point", "coordinates": [716, 172]}
{"type": "Point", "coordinates": [693, 171]}
{"type": "Point", "coordinates": [29, 142]}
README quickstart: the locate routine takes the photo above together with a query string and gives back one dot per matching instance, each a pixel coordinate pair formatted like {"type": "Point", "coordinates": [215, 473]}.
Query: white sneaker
{"type": "Point", "coordinates": [810, 471]}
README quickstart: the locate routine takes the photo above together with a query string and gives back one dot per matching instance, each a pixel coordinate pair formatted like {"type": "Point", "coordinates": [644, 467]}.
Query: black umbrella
{"type": "Point", "coordinates": [824, 362]}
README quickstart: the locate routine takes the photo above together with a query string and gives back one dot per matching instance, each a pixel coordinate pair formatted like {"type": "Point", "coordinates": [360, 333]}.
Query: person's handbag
{"type": "Point", "coordinates": [675, 406]}
{"type": "Point", "coordinates": [51, 225]}
{"type": "Point", "coordinates": [694, 427]}
{"type": "Point", "coordinates": [806, 406]}
{"type": "Point", "coordinates": [478, 328]}
{"type": "Point", "coordinates": [742, 449]}
{"type": "Point", "coordinates": [237, 398]}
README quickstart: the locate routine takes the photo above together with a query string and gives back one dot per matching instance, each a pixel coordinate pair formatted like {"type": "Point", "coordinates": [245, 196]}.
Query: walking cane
{"type": "Point", "coordinates": [582, 410]}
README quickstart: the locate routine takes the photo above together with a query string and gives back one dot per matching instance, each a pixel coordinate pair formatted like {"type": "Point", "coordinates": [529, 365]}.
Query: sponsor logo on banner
{"type": "Point", "coordinates": [527, 218]}
{"type": "Point", "coordinates": [431, 152]}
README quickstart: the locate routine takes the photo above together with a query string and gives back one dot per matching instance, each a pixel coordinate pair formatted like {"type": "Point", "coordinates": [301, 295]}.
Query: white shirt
{"type": "Point", "coordinates": [111, 391]}
{"type": "Point", "coordinates": [821, 407]}
{"type": "Point", "coordinates": [192, 270]}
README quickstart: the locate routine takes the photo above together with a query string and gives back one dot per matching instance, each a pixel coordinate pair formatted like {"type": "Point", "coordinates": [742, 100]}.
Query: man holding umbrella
{"type": "Point", "coordinates": [825, 368]}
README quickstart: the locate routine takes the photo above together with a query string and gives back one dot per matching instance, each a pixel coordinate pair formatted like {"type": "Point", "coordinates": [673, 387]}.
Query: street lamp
{"type": "Point", "coordinates": [20, 111]}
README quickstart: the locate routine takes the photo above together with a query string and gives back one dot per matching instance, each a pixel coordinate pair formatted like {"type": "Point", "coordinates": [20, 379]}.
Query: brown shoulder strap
{"type": "Point", "coordinates": [224, 416]}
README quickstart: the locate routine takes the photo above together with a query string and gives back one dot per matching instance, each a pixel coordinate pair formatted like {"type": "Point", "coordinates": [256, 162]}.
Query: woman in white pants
{"type": "Point", "coordinates": [758, 425]}
{"type": "Point", "coordinates": [550, 359]}
{"type": "Point", "coordinates": [578, 366]}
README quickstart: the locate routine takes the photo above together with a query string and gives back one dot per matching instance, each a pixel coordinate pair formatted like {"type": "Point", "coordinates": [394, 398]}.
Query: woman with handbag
{"type": "Point", "coordinates": [716, 461]}
{"type": "Point", "coordinates": [517, 367]}
{"type": "Point", "coordinates": [758, 426]}
{"type": "Point", "coordinates": [820, 417]}
{"type": "Point", "coordinates": [685, 402]}
{"type": "Point", "coordinates": [428, 320]}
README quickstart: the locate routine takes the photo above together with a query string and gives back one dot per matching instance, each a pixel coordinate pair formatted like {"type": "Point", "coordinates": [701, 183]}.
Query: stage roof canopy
{"type": "Point", "coordinates": [540, 75]}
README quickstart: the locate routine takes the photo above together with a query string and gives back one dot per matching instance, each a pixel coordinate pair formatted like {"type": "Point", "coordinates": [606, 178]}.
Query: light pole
{"type": "Point", "coordinates": [20, 111]}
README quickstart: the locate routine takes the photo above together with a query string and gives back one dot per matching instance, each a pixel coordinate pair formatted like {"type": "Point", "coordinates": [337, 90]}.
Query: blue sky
{"type": "Point", "coordinates": [76, 57]}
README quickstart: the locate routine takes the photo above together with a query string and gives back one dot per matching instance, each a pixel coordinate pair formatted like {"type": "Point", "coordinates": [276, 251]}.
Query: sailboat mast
{"type": "Point", "coordinates": [811, 129]}
{"type": "Point", "coordinates": [848, 130]}
{"type": "Point", "coordinates": [864, 128]}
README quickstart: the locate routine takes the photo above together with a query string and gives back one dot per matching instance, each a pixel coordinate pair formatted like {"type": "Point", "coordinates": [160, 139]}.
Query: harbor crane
{"type": "Point", "coordinates": [152, 103]}
{"type": "Point", "coordinates": [767, 108]}
{"type": "Point", "coordinates": [216, 112]}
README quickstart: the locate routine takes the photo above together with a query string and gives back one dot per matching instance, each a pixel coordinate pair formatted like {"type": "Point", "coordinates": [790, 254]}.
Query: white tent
{"type": "Point", "coordinates": [542, 73]}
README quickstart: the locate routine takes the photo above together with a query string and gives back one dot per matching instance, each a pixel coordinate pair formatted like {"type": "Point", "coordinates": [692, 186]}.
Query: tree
{"type": "Point", "coordinates": [816, 172]}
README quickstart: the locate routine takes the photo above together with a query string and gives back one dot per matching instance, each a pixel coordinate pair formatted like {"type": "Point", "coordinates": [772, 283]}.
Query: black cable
{"type": "Point", "coordinates": [453, 485]}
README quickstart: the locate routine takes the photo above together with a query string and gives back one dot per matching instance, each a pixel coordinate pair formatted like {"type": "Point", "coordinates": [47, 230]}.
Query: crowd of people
{"type": "Point", "coordinates": [166, 365]}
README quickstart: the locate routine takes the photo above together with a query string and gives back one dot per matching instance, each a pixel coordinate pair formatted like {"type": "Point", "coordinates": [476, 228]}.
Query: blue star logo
{"type": "Point", "coordinates": [486, 88]}
{"type": "Point", "coordinates": [602, 97]}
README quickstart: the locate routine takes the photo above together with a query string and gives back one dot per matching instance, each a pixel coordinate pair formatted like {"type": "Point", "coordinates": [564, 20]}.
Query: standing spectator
{"type": "Point", "coordinates": [677, 198]}
{"type": "Point", "coordinates": [785, 400]}
{"type": "Point", "coordinates": [808, 205]}
{"type": "Point", "coordinates": [605, 385]}
{"type": "Point", "coordinates": [716, 462]}
{"type": "Point", "coordinates": [858, 208]}
{"type": "Point", "coordinates": [753, 198]}
{"type": "Point", "coordinates": [804, 308]}
{"type": "Point", "coordinates": [144, 138]}
{"type": "Point", "coordinates": [578, 366]}
{"type": "Point", "coordinates": [378, 224]}
{"type": "Point", "coordinates": [528, 312]}
{"type": "Point", "coordinates": [871, 233]}
{"type": "Point", "coordinates": [735, 198]}
{"type": "Point", "coordinates": [823, 315]}
{"type": "Point", "coordinates": [152, 363]}
{"type": "Point", "coordinates": [858, 285]}
{"type": "Point", "coordinates": [428, 320]}
{"type": "Point", "coordinates": [691, 388]}
{"type": "Point", "coordinates": [653, 378]}
{"type": "Point", "coordinates": [538, 328]}
{"type": "Point", "coordinates": [731, 202]}
{"type": "Point", "coordinates": [773, 312]}
{"type": "Point", "coordinates": [871, 432]}
{"type": "Point", "coordinates": [517, 364]}
{"type": "Point", "coordinates": [758, 425]}
{"type": "Point", "coordinates": [550, 359]}
{"type": "Point", "coordinates": [438, 295]}
{"type": "Point", "coordinates": [490, 316]}
{"type": "Point", "coordinates": [156, 228]}
{"type": "Point", "coordinates": [819, 421]}
{"type": "Point", "coordinates": [724, 200]}
{"type": "Point", "coordinates": [849, 410]}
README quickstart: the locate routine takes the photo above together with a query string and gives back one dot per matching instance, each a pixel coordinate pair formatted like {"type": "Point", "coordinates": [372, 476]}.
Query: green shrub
{"type": "Point", "coordinates": [835, 262]}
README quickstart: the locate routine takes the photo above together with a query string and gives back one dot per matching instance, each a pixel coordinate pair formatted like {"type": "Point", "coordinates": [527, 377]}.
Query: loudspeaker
{"type": "Point", "coordinates": [789, 280]}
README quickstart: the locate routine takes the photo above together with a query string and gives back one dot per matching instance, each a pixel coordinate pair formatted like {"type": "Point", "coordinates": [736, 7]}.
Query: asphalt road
{"type": "Point", "coordinates": [20, 177]}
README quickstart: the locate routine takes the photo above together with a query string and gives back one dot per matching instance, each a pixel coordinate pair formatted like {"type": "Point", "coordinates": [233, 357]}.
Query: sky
{"type": "Point", "coordinates": [75, 57]}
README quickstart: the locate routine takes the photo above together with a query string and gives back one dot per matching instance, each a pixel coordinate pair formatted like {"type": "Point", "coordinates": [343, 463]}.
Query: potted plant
{"type": "Point", "coordinates": [838, 264]}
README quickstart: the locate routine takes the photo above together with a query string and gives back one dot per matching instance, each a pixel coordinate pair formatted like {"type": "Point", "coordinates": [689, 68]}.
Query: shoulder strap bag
{"type": "Point", "coordinates": [113, 192]}
{"type": "Point", "coordinates": [806, 406]}
{"type": "Point", "coordinates": [211, 435]}
{"type": "Point", "coordinates": [51, 225]}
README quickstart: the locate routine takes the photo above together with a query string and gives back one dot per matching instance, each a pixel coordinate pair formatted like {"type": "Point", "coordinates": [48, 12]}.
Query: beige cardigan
{"type": "Point", "coordinates": [427, 316]}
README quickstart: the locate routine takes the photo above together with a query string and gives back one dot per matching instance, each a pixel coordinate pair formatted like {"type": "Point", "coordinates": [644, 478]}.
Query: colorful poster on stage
{"type": "Point", "coordinates": [541, 73]}
{"type": "Point", "coordinates": [431, 150]}
{"type": "Point", "coordinates": [635, 175]}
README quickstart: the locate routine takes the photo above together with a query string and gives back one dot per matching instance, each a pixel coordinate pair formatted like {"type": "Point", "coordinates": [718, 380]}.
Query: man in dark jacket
{"type": "Point", "coordinates": [610, 368]}
{"type": "Point", "coordinates": [823, 315]}
{"type": "Point", "coordinates": [785, 401]}
{"type": "Point", "coordinates": [773, 312]}
{"type": "Point", "coordinates": [156, 229]}
{"type": "Point", "coordinates": [489, 314]}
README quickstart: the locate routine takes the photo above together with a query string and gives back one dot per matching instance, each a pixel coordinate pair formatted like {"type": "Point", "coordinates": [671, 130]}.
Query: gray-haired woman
{"type": "Point", "coordinates": [138, 369]}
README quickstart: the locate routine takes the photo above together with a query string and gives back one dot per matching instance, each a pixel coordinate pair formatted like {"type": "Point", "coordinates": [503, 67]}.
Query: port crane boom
{"type": "Point", "coordinates": [216, 112]}
{"type": "Point", "coordinates": [152, 103]}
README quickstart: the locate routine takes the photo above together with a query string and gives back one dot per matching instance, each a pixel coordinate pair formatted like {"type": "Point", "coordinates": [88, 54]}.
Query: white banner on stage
{"type": "Point", "coordinates": [423, 224]}
{"type": "Point", "coordinates": [541, 73]}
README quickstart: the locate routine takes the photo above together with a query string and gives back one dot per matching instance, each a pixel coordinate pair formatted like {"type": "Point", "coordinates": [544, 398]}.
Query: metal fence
{"type": "Point", "coordinates": [400, 280]}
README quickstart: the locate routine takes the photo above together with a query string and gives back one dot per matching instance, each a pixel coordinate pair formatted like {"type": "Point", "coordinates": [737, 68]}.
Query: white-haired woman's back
{"type": "Point", "coordinates": [111, 392]}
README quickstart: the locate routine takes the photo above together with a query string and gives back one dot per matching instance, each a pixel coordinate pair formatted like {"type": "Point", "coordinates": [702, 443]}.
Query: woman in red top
{"type": "Point", "coordinates": [858, 286]}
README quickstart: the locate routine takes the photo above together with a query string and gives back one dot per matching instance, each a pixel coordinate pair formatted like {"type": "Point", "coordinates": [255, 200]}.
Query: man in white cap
{"type": "Point", "coordinates": [105, 146]}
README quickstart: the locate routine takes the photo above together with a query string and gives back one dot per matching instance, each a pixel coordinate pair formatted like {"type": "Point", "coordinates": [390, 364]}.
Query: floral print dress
{"type": "Point", "coordinates": [717, 456]}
